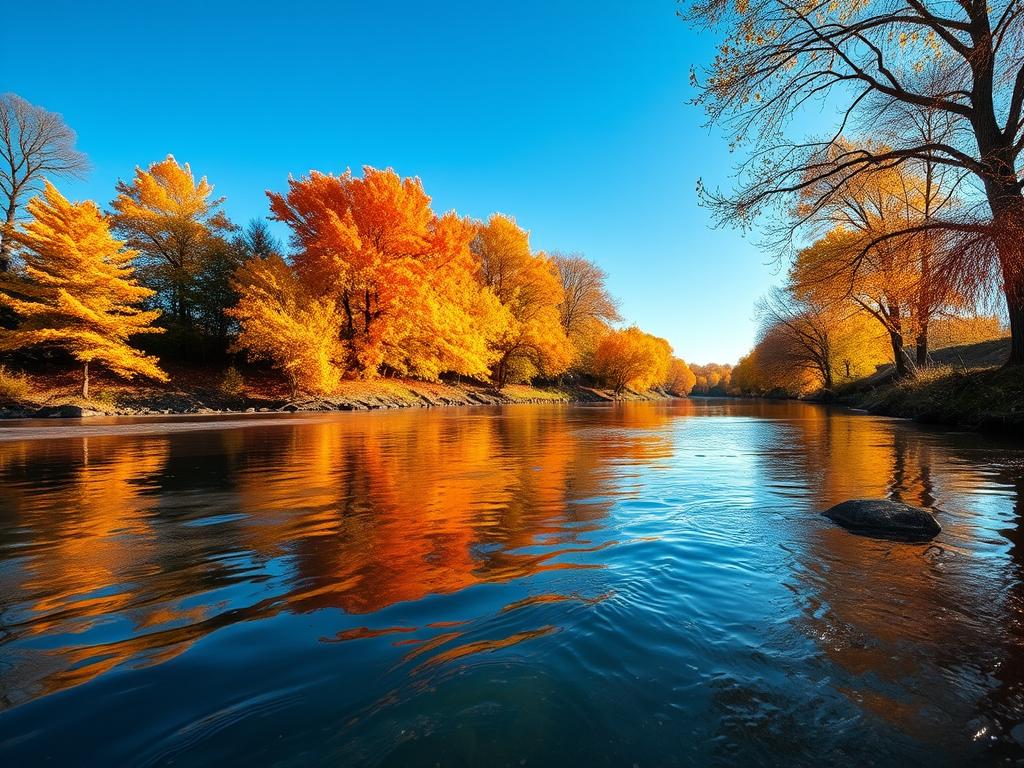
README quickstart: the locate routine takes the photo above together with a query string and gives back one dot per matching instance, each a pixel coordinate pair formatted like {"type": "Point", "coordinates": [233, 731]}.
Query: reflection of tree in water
{"type": "Point", "coordinates": [356, 514]}
{"type": "Point", "coordinates": [911, 472]}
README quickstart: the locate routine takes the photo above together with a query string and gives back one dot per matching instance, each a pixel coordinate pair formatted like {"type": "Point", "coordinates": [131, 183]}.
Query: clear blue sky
{"type": "Point", "coordinates": [571, 116]}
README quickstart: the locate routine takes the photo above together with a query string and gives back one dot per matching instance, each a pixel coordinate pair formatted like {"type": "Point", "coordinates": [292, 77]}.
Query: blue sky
{"type": "Point", "coordinates": [571, 116]}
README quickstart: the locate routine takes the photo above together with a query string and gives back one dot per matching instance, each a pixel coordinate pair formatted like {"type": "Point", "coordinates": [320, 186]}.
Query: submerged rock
{"type": "Point", "coordinates": [884, 519]}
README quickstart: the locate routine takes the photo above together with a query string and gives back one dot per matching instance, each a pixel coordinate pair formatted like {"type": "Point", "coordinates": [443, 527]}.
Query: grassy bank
{"type": "Point", "coordinates": [207, 391]}
{"type": "Point", "coordinates": [989, 399]}
{"type": "Point", "coordinates": [965, 388]}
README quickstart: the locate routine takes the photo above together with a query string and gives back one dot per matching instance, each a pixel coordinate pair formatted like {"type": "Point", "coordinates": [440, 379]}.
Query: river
{"type": "Point", "coordinates": [640, 584]}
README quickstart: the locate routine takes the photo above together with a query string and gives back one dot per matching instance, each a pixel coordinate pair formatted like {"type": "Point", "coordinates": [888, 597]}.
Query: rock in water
{"type": "Point", "coordinates": [884, 519]}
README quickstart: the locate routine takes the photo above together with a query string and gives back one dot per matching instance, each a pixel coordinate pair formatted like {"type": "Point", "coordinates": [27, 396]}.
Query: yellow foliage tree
{"type": "Point", "coordinates": [533, 340]}
{"type": "Point", "coordinates": [634, 359]}
{"type": "Point", "coordinates": [680, 379]}
{"type": "Point", "coordinates": [78, 291]}
{"type": "Point", "coordinates": [711, 376]}
{"type": "Point", "coordinates": [172, 220]}
{"type": "Point", "coordinates": [281, 322]}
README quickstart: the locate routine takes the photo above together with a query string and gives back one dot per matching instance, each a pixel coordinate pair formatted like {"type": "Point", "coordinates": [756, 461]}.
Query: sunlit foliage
{"type": "Point", "coordinates": [632, 359]}
{"type": "Point", "coordinates": [281, 322]}
{"type": "Point", "coordinates": [527, 284]}
{"type": "Point", "coordinates": [712, 377]}
{"type": "Point", "coordinates": [403, 277]}
{"type": "Point", "coordinates": [376, 283]}
{"type": "Point", "coordinates": [956, 330]}
{"type": "Point", "coordinates": [176, 225]}
{"type": "Point", "coordinates": [680, 379]}
{"type": "Point", "coordinates": [936, 85]}
{"type": "Point", "coordinates": [867, 256]}
{"type": "Point", "coordinates": [78, 290]}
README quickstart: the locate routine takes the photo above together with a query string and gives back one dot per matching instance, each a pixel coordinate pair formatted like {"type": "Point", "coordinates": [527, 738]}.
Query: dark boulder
{"type": "Point", "coordinates": [884, 519]}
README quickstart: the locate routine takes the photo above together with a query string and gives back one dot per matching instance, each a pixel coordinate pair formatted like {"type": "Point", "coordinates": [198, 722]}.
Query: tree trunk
{"type": "Point", "coordinates": [924, 306]}
{"type": "Point", "coordinates": [346, 302]}
{"type": "Point", "coordinates": [1015, 308]}
{"type": "Point", "coordinates": [899, 355]}
{"type": "Point", "coordinates": [5, 238]}
{"type": "Point", "coordinates": [1011, 254]}
{"type": "Point", "coordinates": [85, 381]}
{"type": "Point", "coordinates": [1007, 205]}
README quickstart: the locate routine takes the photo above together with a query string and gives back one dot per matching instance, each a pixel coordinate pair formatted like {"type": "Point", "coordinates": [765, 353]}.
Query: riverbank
{"type": "Point", "coordinates": [990, 399]}
{"type": "Point", "coordinates": [206, 392]}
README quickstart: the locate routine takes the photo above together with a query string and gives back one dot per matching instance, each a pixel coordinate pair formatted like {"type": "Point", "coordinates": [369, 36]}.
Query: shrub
{"type": "Point", "coordinates": [106, 398]}
{"type": "Point", "coordinates": [14, 387]}
{"type": "Point", "coordinates": [233, 383]}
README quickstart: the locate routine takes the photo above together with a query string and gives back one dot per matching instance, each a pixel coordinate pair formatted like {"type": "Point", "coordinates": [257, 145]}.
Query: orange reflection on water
{"type": "Point", "coordinates": [135, 548]}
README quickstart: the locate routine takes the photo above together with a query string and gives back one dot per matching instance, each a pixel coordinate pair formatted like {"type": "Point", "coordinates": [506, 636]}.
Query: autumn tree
{"type": "Point", "coordinates": [213, 294]}
{"type": "Point", "coordinates": [403, 277]}
{"type": "Point", "coordinates": [34, 144]}
{"type": "Point", "coordinates": [632, 359]}
{"type": "Point", "coordinates": [533, 340]}
{"type": "Point", "coordinates": [868, 253]}
{"type": "Point", "coordinates": [78, 291]}
{"type": "Point", "coordinates": [876, 61]}
{"type": "Point", "coordinates": [746, 378]}
{"type": "Point", "coordinates": [213, 291]}
{"type": "Point", "coordinates": [283, 323]}
{"type": "Point", "coordinates": [176, 224]}
{"type": "Point", "coordinates": [587, 306]}
{"type": "Point", "coordinates": [680, 379]}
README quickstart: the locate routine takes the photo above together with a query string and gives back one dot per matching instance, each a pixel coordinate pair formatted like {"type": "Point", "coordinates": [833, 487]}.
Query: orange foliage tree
{"type": "Point", "coordinates": [78, 291]}
{"type": "Point", "coordinates": [634, 359]}
{"type": "Point", "coordinates": [680, 379]}
{"type": "Point", "coordinates": [402, 276]}
{"type": "Point", "coordinates": [533, 340]}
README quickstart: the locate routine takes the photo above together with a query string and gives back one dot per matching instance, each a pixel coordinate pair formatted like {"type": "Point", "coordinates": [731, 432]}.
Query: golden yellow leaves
{"type": "Point", "coordinates": [527, 285]}
{"type": "Point", "coordinates": [281, 322]}
{"type": "Point", "coordinates": [681, 378]}
{"type": "Point", "coordinates": [164, 189]}
{"type": "Point", "coordinates": [634, 359]}
{"type": "Point", "coordinates": [78, 290]}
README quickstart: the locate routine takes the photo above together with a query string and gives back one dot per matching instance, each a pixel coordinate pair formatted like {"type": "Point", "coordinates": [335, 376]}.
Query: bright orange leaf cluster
{"type": "Point", "coordinates": [413, 293]}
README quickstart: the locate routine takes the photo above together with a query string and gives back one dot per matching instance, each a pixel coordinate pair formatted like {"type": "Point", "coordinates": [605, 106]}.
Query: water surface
{"type": "Point", "coordinates": [640, 584]}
